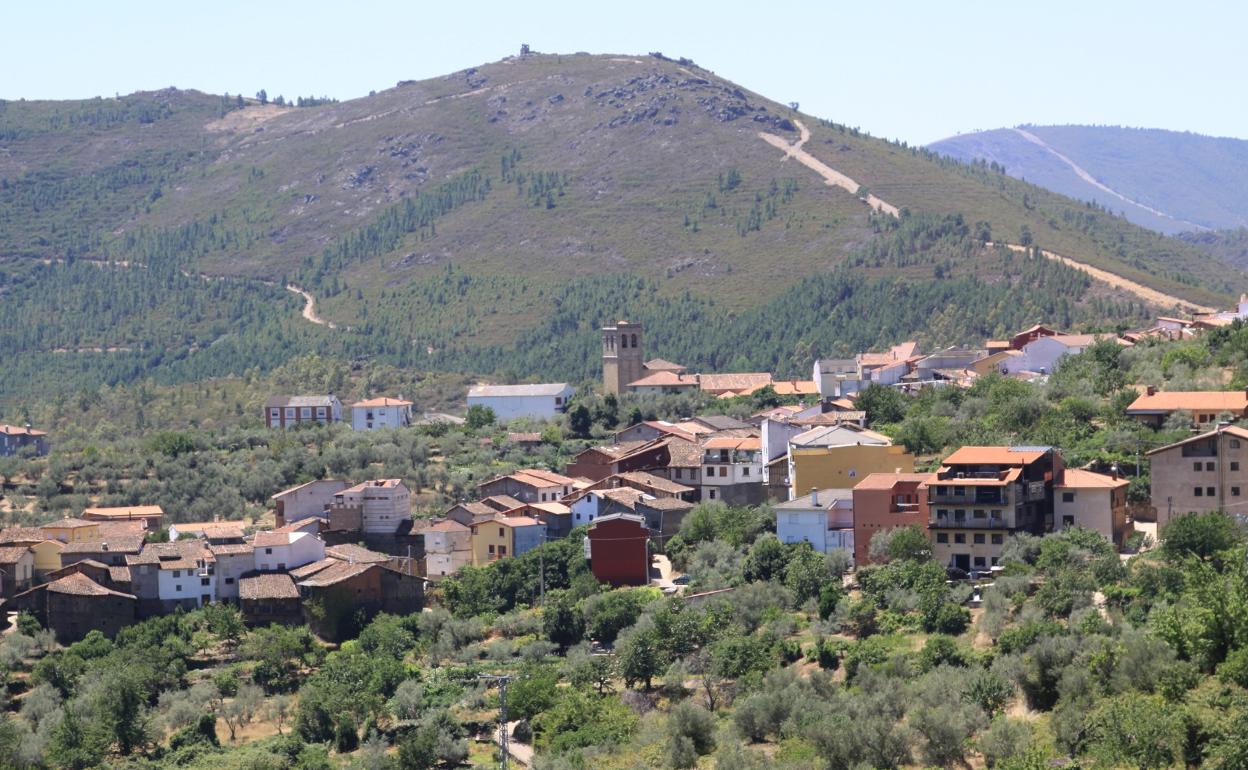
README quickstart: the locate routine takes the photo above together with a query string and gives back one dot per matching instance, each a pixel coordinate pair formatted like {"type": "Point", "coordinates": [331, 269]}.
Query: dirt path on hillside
{"type": "Point", "coordinates": [1117, 281]}
{"type": "Point", "coordinates": [1085, 176]}
{"type": "Point", "coordinates": [309, 307]}
{"type": "Point", "coordinates": [831, 176]}
{"type": "Point", "coordinates": [834, 178]}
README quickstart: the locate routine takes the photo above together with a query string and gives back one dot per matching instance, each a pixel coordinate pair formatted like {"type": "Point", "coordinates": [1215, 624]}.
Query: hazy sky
{"type": "Point", "coordinates": [917, 71]}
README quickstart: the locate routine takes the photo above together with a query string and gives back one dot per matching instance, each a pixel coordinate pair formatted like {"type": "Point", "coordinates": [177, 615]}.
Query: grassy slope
{"type": "Point", "coordinates": [641, 144]}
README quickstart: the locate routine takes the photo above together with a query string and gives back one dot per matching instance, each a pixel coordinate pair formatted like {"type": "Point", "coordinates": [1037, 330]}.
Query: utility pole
{"type": "Point", "coordinates": [504, 736]}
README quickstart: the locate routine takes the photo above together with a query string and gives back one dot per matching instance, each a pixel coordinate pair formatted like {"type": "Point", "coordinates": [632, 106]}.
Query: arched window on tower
{"type": "Point", "coordinates": [623, 341]}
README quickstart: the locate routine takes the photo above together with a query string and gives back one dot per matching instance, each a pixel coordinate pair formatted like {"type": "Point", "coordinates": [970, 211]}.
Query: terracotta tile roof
{"type": "Point", "coordinates": [831, 418]}
{"type": "Point", "coordinates": [373, 484]}
{"type": "Point", "coordinates": [155, 553]}
{"type": "Point", "coordinates": [355, 553]}
{"type": "Point", "coordinates": [796, 388]}
{"type": "Point", "coordinates": [123, 544]}
{"type": "Point", "coordinates": [1076, 478]}
{"type": "Point", "coordinates": [382, 401]}
{"type": "Point", "coordinates": [665, 379]}
{"type": "Point", "coordinates": [285, 492]}
{"type": "Point", "coordinates": [449, 525]}
{"type": "Point", "coordinates": [28, 535]}
{"type": "Point", "coordinates": [842, 434]}
{"type": "Point", "coordinates": [210, 528]}
{"type": "Point", "coordinates": [660, 365]}
{"type": "Point", "coordinates": [524, 438]}
{"type": "Point", "coordinates": [893, 355]}
{"type": "Point", "coordinates": [534, 477]}
{"type": "Point", "coordinates": [890, 480]}
{"type": "Point", "coordinates": [78, 584]}
{"type": "Point", "coordinates": [718, 383]}
{"type": "Point", "coordinates": [1234, 430]}
{"type": "Point", "coordinates": [336, 573]}
{"type": "Point", "coordinates": [694, 428]}
{"type": "Point", "coordinates": [270, 538]}
{"type": "Point", "coordinates": [231, 549]}
{"type": "Point", "coordinates": [666, 504]}
{"type": "Point", "coordinates": [12, 553]}
{"type": "Point", "coordinates": [123, 512]}
{"type": "Point", "coordinates": [21, 430]}
{"type": "Point", "coordinates": [654, 482]}
{"type": "Point", "coordinates": [107, 529]}
{"type": "Point", "coordinates": [517, 521]}
{"type": "Point", "coordinates": [1235, 401]}
{"type": "Point", "coordinates": [70, 523]}
{"type": "Point", "coordinates": [477, 508]}
{"type": "Point", "coordinates": [307, 570]}
{"type": "Point", "coordinates": [309, 524]}
{"type": "Point", "coordinates": [684, 454]}
{"type": "Point", "coordinates": [558, 509]}
{"type": "Point", "coordinates": [119, 574]}
{"type": "Point", "coordinates": [276, 585]}
{"type": "Point", "coordinates": [498, 503]}
{"type": "Point", "coordinates": [1084, 340]}
{"type": "Point", "coordinates": [996, 455]}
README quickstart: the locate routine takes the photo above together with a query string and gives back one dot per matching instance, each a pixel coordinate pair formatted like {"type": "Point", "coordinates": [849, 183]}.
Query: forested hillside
{"type": "Point", "coordinates": [488, 221]}
{"type": "Point", "coordinates": [1169, 181]}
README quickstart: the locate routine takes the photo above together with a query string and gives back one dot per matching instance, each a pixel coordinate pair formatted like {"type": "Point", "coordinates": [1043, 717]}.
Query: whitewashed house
{"type": "Point", "coordinates": [282, 551]}
{"type": "Point", "coordinates": [377, 413]}
{"type": "Point", "coordinates": [188, 582]}
{"type": "Point", "coordinates": [1042, 354]}
{"type": "Point", "coordinates": [383, 504]}
{"type": "Point", "coordinates": [536, 402]}
{"type": "Point", "coordinates": [824, 518]}
{"type": "Point", "coordinates": [233, 560]}
{"type": "Point", "coordinates": [448, 546]}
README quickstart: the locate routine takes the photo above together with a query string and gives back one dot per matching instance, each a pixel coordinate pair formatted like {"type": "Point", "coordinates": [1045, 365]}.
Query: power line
{"type": "Point", "coordinates": [504, 737]}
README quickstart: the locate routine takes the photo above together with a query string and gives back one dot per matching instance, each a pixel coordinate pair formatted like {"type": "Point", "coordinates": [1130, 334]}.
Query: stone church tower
{"type": "Point", "coordinates": [622, 359]}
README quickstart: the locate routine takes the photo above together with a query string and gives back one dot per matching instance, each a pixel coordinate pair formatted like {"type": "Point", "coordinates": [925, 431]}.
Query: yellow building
{"type": "Point", "coordinates": [505, 536]}
{"type": "Point", "coordinates": [839, 456]}
{"type": "Point", "coordinates": [72, 530]}
{"type": "Point", "coordinates": [47, 556]}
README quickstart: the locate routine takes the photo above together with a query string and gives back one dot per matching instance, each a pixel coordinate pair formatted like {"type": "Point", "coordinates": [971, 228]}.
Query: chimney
{"type": "Point", "coordinates": [814, 496]}
{"type": "Point", "coordinates": [1151, 391]}
{"type": "Point", "coordinates": [103, 546]}
{"type": "Point", "coordinates": [1113, 471]}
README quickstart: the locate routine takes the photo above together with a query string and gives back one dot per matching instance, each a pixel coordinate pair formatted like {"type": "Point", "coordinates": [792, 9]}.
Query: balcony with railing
{"type": "Point", "coordinates": [954, 520]}
{"type": "Point", "coordinates": [731, 457]}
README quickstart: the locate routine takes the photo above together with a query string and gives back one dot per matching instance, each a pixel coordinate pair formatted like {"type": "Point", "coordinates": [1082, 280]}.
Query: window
{"type": "Point", "coordinates": [177, 573]}
{"type": "Point", "coordinates": [745, 471]}
{"type": "Point", "coordinates": [320, 412]}
{"type": "Point", "coordinates": [1200, 492]}
{"type": "Point", "coordinates": [229, 581]}
{"type": "Point", "coordinates": [177, 588]}
{"type": "Point", "coordinates": [795, 518]}
{"type": "Point", "coordinates": [305, 412]}
{"type": "Point", "coordinates": [942, 512]}
{"type": "Point", "coordinates": [942, 537]}
{"type": "Point", "coordinates": [998, 539]}
{"type": "Point", "coordinates": [853, 472]}
{"type": "Point", "coordinates": [959, 537]}
{"type": "Point", "coordinates": [678, 472]}
{"type": "Point", "coordinates": [491, 551]}
{"type": "Point", "coordinates": [1210, 491]}
{"type": "Point", "coordinates": [275, 414]}
{"type": "Point", "coordinates": [723, 471]}
{"type": "Point", "coordinates": [1068, 497]}
{"type": "Point", "coordinates": [1209, 466]}
{"type": "Point", "coordinates": [203, 581]}
{"type": "Point", "coordinates": [1068, 521]}
{"type": "Point", "coordinates": [994, 561]}
{"type": "Point", "coordinates": [1196, 467]}
{"type": "Point", "coordinates": [1234, 465]}
{"type": "Point", "coordinates": [959, 491]}
{"type": "Point", "coordinates": [268, 550]}
{"type": "Point", "coordinates": [979, 539]}
{"type": "Point", "coordinates": [1234, 443]}
{"type": "Point", "coordinates": [502, 550]}
{"type": "Point", "coordinates": [980, 562]}
{"type": "Point", "coordinates": [500, 531]}
{"type": "Point", "coordinates": [290, 413]}
{"type": "Point", "coordinates": [980, 513]}
{"type": "Point", "coordinates": [712, 494]}
{"type": "Point", "coordinates": [1234, 491]}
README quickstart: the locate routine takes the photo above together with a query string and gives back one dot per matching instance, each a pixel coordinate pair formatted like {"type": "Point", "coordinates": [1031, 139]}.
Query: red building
{"type": "Point", "coordinates": [619, 551]}
{"type": "Point", "coordinates": [886, 501]}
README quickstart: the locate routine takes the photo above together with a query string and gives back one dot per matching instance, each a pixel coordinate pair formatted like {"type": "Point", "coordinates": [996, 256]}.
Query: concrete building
{"type": "Point", "coordinates": [305, 500]}
{"type": "Point", "coordinates": [291, 411]}
{"type": "Point", "coordinates": [1094, 501]}
{"type": "Point", "coordinates": [839, 456]}
{"type": "Point", "coordinates": [14, 438]}
{"type": "Point", "coordinates": [448, 547]}
{"type": "Point", "coordinates": [505, 536]}
{"type": "Point", "coordinates": [382, 505]}
{"type": "Point", "coordinates": [622, 356]}
{"type": "Point", "coordinates": [885, 501]}
{"type": "Point", "coordinates": [981, 495]}
{"type": "Point", "coordinates": [732, 470]}
{"type": "Point", "coordinates": [377, 413]}
{"type": "Point", "coordinates": [824, 518]}
{"type": "Point", "coordinates": [534, 402]}
{"type": "Point", "coordinates": [1203, 473]}
{"type": "Point", "coordinates": [1207, 408]}
{"type": "Point", "coordinates": [282, 551]}
{"type": "Point", "coordinates": [233, 560]}
{"type": "Point", "coordinates": [618, 549]}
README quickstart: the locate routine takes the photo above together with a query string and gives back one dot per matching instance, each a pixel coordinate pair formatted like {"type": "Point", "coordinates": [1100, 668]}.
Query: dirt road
{"type": "Point", "coordinates": [834, 178]}
{"type": "Point", "coordinates": [309, 307]}
{"type": "Point", "coordinates": [831, 176]}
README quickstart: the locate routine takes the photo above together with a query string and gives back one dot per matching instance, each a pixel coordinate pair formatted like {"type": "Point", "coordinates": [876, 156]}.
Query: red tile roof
{"type": "Point", "coordinates": [382, 401]}
{"type": "Point", "coordinates": [1235, 401]}
{"type": "Point", "coordinates": [1075, 478]}
{"type": "Point", "coordinates": [78, 584]}
{"type": "Point", "coordinates": [277, 585]}
{"type": "Point", "coordinates": [20, 430]}
{"type": "Point", "coordinates": [994, 455]}
{"type": "Point", "coordinates": [890, 480]}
